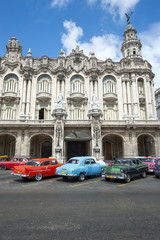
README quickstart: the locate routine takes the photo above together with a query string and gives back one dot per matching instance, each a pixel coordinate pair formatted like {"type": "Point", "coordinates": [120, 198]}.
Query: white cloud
{"type": "Point", "coordinates": [119, 6]}
{"type": "Point", "coordinates": [71, 39]}
{"type": "Point", "coordinates": [150, 40]}
{"type": "Point", "coordinates": [105, 46]}
{"type": "Point", "coordinates": [116, 7]}
{"type": "Point", "coordinates": [60, 3]}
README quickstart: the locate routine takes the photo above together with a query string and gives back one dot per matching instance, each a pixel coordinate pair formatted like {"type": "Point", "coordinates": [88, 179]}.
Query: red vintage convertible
{"type": "Point", "coordinates": [37, 168]}
{"type": "Point", "coordinates": [14, 162]}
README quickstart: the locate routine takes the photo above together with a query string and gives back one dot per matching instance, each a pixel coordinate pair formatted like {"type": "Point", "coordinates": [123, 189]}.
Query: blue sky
{"type": "Point", "coordinates": [47, 26]}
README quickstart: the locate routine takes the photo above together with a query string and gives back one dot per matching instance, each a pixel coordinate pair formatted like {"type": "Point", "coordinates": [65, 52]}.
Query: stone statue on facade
{"type": "Point", "coordinates": [94, 104]}
{"type": "Point", "coordinates": [60, 104]}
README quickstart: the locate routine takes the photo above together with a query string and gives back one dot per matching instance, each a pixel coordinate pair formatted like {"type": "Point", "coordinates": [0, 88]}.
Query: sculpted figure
{"type": "Point", "coordinates": [94, 104]}
{"type": "Point", "coordinates": [60, 103]}
{"type": "Point", "coordinates": [128, 16]}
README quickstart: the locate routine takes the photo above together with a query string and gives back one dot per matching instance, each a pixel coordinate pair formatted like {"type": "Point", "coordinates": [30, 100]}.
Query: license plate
{"type": "Point", "coordinates": [63, 172]}
{"type": "Point", "coordinates": [110, 176]}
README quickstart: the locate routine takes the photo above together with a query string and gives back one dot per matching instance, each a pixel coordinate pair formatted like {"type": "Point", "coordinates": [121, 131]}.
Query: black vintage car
{"type": "Point", "coordinates": [125, 169]}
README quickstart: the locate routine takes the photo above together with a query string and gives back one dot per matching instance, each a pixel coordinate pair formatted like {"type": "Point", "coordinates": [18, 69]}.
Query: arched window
{"type": "Point", "coordinates": [77, 84]}
{"type": "Point", "coordinates": [140, 86]}
{"type": "Point", "coordinates": [8, 112]}
{"type": "Point", "coordinates": [110, 112]}
{"type": "Point", "coordinates": [134, 51]}
{"type": "Point", "coordinates": [77, 112]}
{"type": "Point", "coordinates": [109, 85]}
{"type": "Point", "coordinates": [44, 84]}
{"type": "Point", "coordinates": [11, 83]}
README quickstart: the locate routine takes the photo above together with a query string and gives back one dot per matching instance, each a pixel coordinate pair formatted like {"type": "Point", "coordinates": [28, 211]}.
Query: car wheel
{"type": "Point", "coordinates": [144, 174]}
{"type": "Point", "coordinates": [128, 179]}
{"type": "Point", "coordinates": [3, 167]}
{"type": "Point", "coordinates": [38, 177]}
{"type": "Point", "coordinates": [107, 179]}
{"type": "Point", "coordinates": [65, 178]}
{"type": "Point", "coordinates": [81, 177]}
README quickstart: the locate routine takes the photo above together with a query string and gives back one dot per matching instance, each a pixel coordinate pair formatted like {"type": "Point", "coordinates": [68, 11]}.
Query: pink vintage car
{"type": "Point", "coordinates": [151, 161]}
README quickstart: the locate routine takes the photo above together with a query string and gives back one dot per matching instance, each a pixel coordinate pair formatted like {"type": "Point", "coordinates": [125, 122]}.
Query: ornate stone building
{"type": "Point", "coordinates": [157, 97]}
{"type": "Point", "coordinates": [77, 104]}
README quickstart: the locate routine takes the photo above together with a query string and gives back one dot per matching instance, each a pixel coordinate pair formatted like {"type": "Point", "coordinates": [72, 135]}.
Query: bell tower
{"type": "Point", "coordinates": [131, 46]}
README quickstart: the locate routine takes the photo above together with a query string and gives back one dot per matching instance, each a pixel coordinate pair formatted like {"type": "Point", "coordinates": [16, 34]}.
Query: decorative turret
{"type": "Point", "coordinates": [14, 50]}
{"type": "Point", "coordinates": [131, 47]}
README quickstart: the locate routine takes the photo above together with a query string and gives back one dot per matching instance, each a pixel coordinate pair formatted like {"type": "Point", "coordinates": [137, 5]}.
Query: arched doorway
{"type": "Point", "coordinates": [112, 147]}
{"type": "Point", "coordinates": [7, 145]}
{"type": "Point", "coordinates": [146, 145]}
{"type": "Point", "coordinates": [77, 144]}
{"type": "Point", "coordinates": [41, 146]}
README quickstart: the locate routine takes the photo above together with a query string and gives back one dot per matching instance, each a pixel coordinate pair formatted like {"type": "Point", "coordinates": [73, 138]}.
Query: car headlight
{"type": "Point", "coordinates": [122, 171]}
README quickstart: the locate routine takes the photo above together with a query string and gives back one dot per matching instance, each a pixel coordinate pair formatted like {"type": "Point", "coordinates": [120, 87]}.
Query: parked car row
{"type": "Point", "coordinates": [80, 168]}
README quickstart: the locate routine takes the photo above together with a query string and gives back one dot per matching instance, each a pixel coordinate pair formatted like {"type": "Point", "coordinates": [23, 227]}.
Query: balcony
{"type": "Point", "coordinates": [43, 96]}
{"type": "Point", "coordinates": [110, 97]}
{"type": "Point", "coordinates": [77, 97]}
{"type": "Point", "coordinates": [10, 97]}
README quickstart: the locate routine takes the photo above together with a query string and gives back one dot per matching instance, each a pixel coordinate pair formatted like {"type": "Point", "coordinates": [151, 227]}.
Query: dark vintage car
{"type": "Point", "coordinates": [125, 169]}
{"type": "Point", "coordinates": [157, 169]}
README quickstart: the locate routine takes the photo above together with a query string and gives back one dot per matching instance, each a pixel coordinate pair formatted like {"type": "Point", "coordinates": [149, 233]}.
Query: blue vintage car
{"type": "Point", "coordinates": [80, 167]}
{"type": "Point", "coordinates": [157, 171]}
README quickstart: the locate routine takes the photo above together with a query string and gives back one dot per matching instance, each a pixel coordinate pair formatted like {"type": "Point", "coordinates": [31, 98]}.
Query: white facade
{"type": "Point", "coordinates": [77, 104]}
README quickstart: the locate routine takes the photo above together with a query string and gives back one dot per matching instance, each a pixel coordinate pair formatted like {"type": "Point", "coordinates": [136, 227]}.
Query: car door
{"type": "Point", "coordinates": [45, 168]}
{"type": "Point", "coordinates": [139, 167]}
{"type": "Point", "coordinates": [52, 167]}
{"type": "Point", "coordinates": [134, 171]}
{"type": "Point", "coordinates": [95, 167]}
{"type": "Point", "coordinates": [88, 167]}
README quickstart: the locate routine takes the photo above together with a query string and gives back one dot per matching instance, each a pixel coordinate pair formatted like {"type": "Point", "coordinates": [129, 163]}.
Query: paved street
{"type": "Point", "coordinates": [71, 210]}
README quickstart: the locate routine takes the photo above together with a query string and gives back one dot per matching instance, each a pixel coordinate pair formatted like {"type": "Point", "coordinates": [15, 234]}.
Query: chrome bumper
{"type": "Point", "coordinates": [19, 175]}
{"type": "Point", "coordinates": [67, 174]}
{"type": "Point", "coordinates": [114, 175]}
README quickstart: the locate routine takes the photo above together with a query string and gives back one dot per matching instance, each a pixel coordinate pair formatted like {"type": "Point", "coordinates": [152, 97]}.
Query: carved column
{"type": "Point", "coordinates": [124, 98]}
{"type": "Point", "coordinates": [61, 83]}
{"type": "Point", "coordinates": [28, 104]}
{"type": "Point", "coordinates": [148, 96]}
{"type": "Point", "coordinates": [59, 115]}
{"type": "Point", "coordinates": [94, 115]}
{"type": "Point", "coordinates": [24, 96]}
{"type": "Point", "coordinates": [135, 96]}
{"type": "Point", "coordinates": [129, 98]}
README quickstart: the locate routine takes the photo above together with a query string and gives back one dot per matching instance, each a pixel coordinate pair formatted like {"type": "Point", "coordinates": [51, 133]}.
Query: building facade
{"type": "Point", "coordinates": [157, 97]}
{"type": "Point", "coordinates": [78, 105]}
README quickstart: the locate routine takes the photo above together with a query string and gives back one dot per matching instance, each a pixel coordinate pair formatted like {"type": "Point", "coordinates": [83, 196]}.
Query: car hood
{"type": "Point", "coordinates": [116, 168]}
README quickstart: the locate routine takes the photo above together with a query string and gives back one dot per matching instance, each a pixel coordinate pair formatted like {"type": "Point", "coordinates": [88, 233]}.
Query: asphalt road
{"type": "Point", "coordinates": [70, 210]}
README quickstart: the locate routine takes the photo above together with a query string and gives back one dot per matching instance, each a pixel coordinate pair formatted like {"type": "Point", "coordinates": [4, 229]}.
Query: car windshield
{"type": "Point", "coordinates": [148, 160]}
{"type": "Point", "coordinates": [125, 162]}
{"type": "Point", "coordinates": [33, 163]}
{"type": "Point", "coordinates": [73, 161]}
